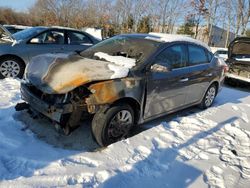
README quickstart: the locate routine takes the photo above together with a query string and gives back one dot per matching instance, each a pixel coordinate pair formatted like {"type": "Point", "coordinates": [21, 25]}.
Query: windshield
{"type": "Point", "coordinates": [27, 33]}
{"type": "Point", "coordinates": [129, 47]}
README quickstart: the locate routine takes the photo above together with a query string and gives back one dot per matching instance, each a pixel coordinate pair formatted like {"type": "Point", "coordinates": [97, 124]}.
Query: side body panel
{"type": "Point", "coordinates": [165, 92]}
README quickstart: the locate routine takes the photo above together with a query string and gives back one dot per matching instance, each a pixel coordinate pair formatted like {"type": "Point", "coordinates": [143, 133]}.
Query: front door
{"type": "Point", "coordinates": [51, 41]}
{"type": "Point", "coordinates": [167, 81]}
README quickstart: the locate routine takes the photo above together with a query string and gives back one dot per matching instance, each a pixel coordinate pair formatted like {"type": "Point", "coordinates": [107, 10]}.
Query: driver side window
{"type": "Point", "coordinates": [49, 37]}
{"type": "Point", "coordinates": [173, 57]}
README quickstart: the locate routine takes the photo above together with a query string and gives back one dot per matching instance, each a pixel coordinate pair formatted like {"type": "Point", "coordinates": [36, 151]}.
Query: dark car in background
{"type": "Point", "coordinates": [17, 50]}
{"type": "Point", "coordinates": [239, 62]}
{"type": "Point", "coordinates": [124, 81]}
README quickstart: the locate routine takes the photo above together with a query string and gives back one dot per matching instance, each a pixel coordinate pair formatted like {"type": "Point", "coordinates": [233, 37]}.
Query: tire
{"type": "Point", "coordinates": [209, 97]}
{"type": "Point", "coordinates": [105, 127]}
{"type": "Point", "coordinates": [11, 67]}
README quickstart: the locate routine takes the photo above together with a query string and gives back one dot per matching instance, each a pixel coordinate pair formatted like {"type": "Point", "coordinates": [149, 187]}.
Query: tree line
{"type": "Point", "coordinates": [143, 16]}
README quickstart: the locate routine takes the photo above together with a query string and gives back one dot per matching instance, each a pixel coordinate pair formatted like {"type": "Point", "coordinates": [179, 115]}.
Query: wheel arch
{"type": "Point", "coordinates": [14, 56]}
{"type": "Point", "coordinates": [18, 60]}
{"type": "Point", "coordinates": [133, 103]}
{"type": "Point", "coordinates": [216, 83]}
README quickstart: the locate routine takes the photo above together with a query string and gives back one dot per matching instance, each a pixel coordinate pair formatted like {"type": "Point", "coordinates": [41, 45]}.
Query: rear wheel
{"type": "Point", "coordinates": [209, 97]}
{"type": "Point", "coordinates": [112, 124]}
{"type": "Point", "coordinates": [11, 67]}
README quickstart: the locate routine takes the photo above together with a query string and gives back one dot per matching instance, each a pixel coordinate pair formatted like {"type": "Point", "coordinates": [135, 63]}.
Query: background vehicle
{"type": "Point", "coordinates": [222, 53]}
{"type": "Point", "coordinates": [239, 61]}
{"type": "Point", "coordinates": [140, 77]}
{"type": "Point", "coordinates": [15, 28]}
{"type": "Point", "coordinates": [17, 50]}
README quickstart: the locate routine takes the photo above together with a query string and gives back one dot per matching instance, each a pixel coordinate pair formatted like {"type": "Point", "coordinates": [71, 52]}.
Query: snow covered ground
{"type": "Point", "coordinates": [192, 148]}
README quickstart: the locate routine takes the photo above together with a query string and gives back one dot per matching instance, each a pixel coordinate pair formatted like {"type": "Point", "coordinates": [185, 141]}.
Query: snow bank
{"type": "Point", "coordinates": [120, 66]}
{"type": "Point", "coordinates": [172, 38]}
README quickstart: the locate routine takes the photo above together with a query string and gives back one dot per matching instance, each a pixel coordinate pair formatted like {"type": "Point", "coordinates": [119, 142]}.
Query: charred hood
{"type": "Point", "coordinates": [61, 73]}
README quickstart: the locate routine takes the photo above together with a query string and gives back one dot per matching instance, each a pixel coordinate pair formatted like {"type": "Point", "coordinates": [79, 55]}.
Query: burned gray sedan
{"type": "Point", "coordinates": [124, 81]}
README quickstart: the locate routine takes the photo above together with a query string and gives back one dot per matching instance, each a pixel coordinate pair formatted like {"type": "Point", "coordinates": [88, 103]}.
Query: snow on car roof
{"type": "Point", "coordinates": [164, 37]}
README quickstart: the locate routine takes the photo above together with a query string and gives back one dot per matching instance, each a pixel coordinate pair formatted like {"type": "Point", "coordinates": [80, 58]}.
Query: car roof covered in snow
{"type": "Point", "coordinates": [165, 38]}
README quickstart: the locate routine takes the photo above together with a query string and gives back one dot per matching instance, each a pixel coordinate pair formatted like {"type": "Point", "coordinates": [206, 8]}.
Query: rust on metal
{"type": "Point", "coordinates": [104, 92]}
{"type": "Point", "coordinates": [77, 81]}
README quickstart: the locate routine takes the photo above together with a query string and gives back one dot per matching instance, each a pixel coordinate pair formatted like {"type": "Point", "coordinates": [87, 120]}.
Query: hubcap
{"type": "Point", "coordinates": [210, 96]}
{"type": "Point", "coordinates": [10, 68]}
{"type": "Point", "coordinates": [120, 125]}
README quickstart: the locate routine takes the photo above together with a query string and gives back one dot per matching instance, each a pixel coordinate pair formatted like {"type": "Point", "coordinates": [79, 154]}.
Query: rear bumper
{"type": "Point", "coordinates": [238, 78]}
{"type": "Point", "coordinates": [54, 112]}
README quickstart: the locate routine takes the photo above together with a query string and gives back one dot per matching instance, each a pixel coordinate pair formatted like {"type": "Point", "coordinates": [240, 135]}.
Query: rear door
{"type": "Point", "coordinates": [200, 73]}
{"type": "Point", "coordinates": [167, 81]}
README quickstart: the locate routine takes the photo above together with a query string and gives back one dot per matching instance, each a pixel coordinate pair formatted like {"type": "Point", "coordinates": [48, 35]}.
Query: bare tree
{"type": "Point", "coordinates": [239, 15]}
{"type": "Point", "coordinates": [245, 16]}
{"type": "Point", "coordinates": [211, 17]}
{"type": "Point", "coordinates": [229, 16]}
{"type": "Point", "coordinates": [199, 13]}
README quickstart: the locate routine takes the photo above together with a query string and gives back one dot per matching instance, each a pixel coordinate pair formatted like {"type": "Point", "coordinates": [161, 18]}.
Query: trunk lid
{"type": "Point", "coordinates": [239, 58]}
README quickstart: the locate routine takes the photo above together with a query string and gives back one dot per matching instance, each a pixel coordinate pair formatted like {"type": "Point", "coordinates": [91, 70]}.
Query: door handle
{"type": "Point", "coordinates": [209, 75]}
{"type": "Point", "coordinates": [183, 80]}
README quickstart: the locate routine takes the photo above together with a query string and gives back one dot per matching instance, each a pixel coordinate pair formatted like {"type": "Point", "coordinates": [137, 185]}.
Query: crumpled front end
{"type": "Point", "coordinates": [65, 110]}
{"type": "Point", "coordinates": [39, 102]}
{"type": "Point", "coordinates": [54, 86]}
{"type": "Point", "coordinates": [67, 87]}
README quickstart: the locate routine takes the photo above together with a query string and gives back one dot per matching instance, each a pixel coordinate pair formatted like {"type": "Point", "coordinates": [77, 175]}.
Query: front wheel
{"type": "Point", "coordinates": [209, 97]}
{"type": "Point", "coordinates": [11, 67]}
{"type": "Point", "coordinates": [112, 124]}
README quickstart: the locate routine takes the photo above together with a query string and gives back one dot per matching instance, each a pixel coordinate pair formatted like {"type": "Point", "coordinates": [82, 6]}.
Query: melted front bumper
{"type": "Point", "coordinates": [54, 112]}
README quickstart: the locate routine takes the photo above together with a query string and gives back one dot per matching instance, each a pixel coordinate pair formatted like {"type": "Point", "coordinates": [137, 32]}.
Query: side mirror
{"type": "Point", "coordinates": [159, 68]}
{"type": "Point", "coordinates": [35, 40]}
{"type": "Point", "coordinates": [78, 51]}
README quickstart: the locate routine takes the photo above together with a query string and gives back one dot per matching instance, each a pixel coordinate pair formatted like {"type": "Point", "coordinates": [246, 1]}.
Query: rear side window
{"type": "Point", "coordinates": [75, 38]}
{"type": "Point", "coordinates": [197, 55]}
{"type": "Point", "coordinates": [173, 57]}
